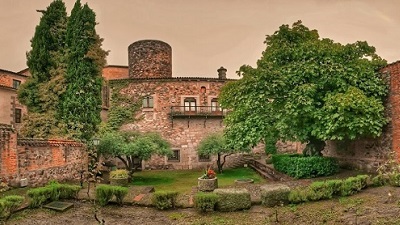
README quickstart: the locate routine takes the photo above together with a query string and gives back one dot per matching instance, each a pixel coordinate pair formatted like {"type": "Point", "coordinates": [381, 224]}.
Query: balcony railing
{"type": "Point", "coordinates": [197, 111]}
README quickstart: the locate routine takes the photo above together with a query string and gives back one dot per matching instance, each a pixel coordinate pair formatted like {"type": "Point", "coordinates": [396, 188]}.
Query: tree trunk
{"type": "Point", "coordinates": [219, 164]}
{"type": "Point", "coordinates": [314, 147]}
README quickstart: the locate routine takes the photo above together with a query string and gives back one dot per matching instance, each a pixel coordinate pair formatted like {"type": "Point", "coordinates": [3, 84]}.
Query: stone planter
{"type": "Point", "coordinates": [119, 181]}
{"type": "Point", "coordinates": [207, 184]}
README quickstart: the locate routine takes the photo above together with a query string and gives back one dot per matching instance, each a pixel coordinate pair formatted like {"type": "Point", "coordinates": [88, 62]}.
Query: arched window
{"type": "Point", "coordinates": [190, 104]}
{"type": "Point", "coordinates": [203, 90]}
{"type": "Point", "coordinates": [148, 102]}
{"type": "Point", "coordinates": [215, 105]}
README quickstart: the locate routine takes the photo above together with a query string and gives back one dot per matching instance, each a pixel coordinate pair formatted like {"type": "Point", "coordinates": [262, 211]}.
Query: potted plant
{"type": "Point", "coordinates": [119, 177]}
{"type": "Point", "coordinates": [208, 181]}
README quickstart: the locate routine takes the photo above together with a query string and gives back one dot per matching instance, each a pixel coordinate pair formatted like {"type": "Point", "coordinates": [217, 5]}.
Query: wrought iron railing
{"type": "Point", "coordinates": [209, 111]}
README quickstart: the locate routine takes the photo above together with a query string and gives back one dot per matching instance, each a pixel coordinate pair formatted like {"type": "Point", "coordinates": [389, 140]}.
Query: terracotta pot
{"type": "Point", "coordinates": [207, 184]}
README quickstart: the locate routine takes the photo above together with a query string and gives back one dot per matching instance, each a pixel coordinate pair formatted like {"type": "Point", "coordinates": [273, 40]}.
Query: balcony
{"type": "Point", "coordinates": [197, 112]}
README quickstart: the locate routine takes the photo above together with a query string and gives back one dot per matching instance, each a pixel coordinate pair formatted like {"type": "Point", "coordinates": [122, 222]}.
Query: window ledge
{"type": "Point", "coordinates": [147, 109]}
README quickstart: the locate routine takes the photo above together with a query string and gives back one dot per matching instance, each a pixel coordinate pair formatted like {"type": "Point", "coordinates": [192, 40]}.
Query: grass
{"type": "Point", "coordinates": [183, 180]}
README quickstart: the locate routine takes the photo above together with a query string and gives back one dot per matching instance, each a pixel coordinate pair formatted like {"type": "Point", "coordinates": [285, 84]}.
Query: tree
{"type": "Point", "coordinates": [46, 62]}
{"type": "Point", "coordinates": [307, 89]}
{"type": "Point", "coordinates": [81, 102]}
{"type": "Point", "coordinates": [131, 147]}
{"type": "Point", "coordinates": [215, 144]}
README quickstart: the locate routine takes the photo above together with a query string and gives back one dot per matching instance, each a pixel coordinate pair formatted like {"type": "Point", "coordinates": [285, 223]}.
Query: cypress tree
{"type": "Point", "coordinates": [81, 102]}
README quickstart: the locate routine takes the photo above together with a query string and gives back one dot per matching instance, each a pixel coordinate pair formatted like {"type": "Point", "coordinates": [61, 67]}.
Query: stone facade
{"type": "Point", "coordinates": [39, 161]}
{"type": "Point", "coordinates": [11, 110]}
{"type": "Point", "coordinates": [150, 59]}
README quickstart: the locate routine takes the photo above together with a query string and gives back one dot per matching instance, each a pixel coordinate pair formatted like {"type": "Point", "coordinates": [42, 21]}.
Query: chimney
{"type": "Point", "coordinates": [222, 73]}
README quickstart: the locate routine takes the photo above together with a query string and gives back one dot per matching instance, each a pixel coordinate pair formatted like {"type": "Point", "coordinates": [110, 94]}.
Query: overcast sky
{"type": "Point", "coordinates": [207, 34]}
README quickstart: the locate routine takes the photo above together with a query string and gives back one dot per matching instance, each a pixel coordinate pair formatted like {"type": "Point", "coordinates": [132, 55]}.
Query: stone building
{"type": "Point", "coordinates": [182, 109]}
{"type": "Point", "coordinates": [11, 110]}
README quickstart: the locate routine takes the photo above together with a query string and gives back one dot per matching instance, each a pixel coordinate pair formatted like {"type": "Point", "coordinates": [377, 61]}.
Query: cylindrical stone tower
{"type": "Point", "coordinates": [150, 59]}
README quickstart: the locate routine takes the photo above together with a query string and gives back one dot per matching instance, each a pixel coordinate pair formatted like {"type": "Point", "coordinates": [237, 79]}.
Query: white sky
{"type": "Point", "coordinates": [207, 34]}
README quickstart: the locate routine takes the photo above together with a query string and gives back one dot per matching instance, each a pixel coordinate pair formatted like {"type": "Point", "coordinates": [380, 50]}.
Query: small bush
{"type": "Point", "coordinates": [351, 186]}
{"type": "Point", "coordinates": [270, 146]}
{"type": "Point", "coordinates": [299, 166]}
{"type": "Point", "coordinates": [298, 195]}
{"type": "Point", "coordinates": [164, 199]}
{"type": "Point", "coordinates": [120, 193]}
{"type": "Point", "coordinates": [68, 191]}
{"type": "Point", "coordinates": [9, 204]}
{"type": "Point", "coordinates": [205, 201]}
{"type": "Point", "coordinates": [394, 179]}
{"type": "Point", "coordinates": [104, 194]}
{"type": "Point", "coordinates": [335, 186]}
{"type": "Point", "coordinates": [41, 195]}
{"type": "Point", "coordinates": [274, 194]}
{"type": "Point", "coordinates": [233, 199]}
{"type": "Point", "coordinates": [119, 174]}
{"type": "Point", "coordinates": [379, 180]}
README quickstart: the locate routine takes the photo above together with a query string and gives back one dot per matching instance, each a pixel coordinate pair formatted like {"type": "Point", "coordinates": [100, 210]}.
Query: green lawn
{"type": "Point", "coordinates": [183, 180]}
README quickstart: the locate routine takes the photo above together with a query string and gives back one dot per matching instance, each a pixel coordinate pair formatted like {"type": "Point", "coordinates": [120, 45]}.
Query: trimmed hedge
{"type": "Point", "coordinates": [233, 199]}
{"type": "Point", "coordinates": [299, 166]}
{"type": "Point", "coordinates": [9, 204]}
{"type": "Point", "coordinates": [104, 194]}
{"type": "Point", "coordinates": [205, 202]}
{"type": "Point", "coordinates": [52, 192]}
{"type": "Point", "coordinates": [274, 194]}
{"type": "Point", "coordinates": [164, 199]}
{"type": "Point", "coordinates": [328, 189]}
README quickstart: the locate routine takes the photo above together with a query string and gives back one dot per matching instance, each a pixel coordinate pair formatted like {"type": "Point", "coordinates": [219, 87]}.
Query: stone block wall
{"type": "Point", "coordinates": [41, 161]}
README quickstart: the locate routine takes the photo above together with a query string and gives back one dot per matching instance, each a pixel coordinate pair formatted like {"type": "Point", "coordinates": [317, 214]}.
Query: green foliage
{"type": "Point", "coordinates": [46, 62]}
{"type": "Point", "coordinates": [80, 108]}
{"type": "Point", "coordinates": [8, 204]}
{"type": "Point", "coordinates": [306, 88]}
{"type": "Point", "coordinates": [164, 199]}
{"type": "Point", "coordinates": [104, 194]}
{"type": "Point", "coordinates": [120, 193]}
{"type": "Point", "coordinates": [128, 146]}
{"type": "Point", "coordinates": [232, 199]}
{"type": "Point", "coordinates": [351, 186]}
{"type": "Point", "coordinates": [276, 195]}
{"type": "Point", "coordinates": [215, 144]}
{"type": "Point", "coordinates": [379, 180]}
{"type": "Point", "coordinates": [299, 166]}
{"type": "Point", "coordinates": [119, 174]}
{"type": "Point", "coordinates": [270, 146]}
{"type": "Point", "coordinates": [205, 202]}
{"type": "Point", "coordinates": [53, 191]}
{"type": "Point", "coordinates": [298, 195]}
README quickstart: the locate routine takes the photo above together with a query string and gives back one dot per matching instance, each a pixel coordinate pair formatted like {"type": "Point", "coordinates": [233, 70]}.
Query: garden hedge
{"type": "Point", "coordinates": [233, 199]}
{"type": "Point", "coordinates": [299, 166]}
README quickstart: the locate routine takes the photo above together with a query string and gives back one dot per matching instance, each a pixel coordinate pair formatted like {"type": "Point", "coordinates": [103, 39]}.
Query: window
{"type": "Point", "coordinates": [16, 83]}
{"type": "Point", "coordinates": [176, 155]}
{"type": "Point", "coordinates": [17, 115]}
{"type": "Point", "coordinates": [215, 105]}
{"type": "Point", "coordinates": [190, 104]}
{"type": "Point", "coordinates": [203, 90]}
{"type": "Point", "coordinates": [148, 102]}
{"type": "Point", "coordinates": [204, 158]}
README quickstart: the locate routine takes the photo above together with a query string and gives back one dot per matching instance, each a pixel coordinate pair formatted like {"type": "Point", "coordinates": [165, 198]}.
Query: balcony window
{"type": "Point", "coordinates": [148, 102]}
{"type": "Point", "coordinates": [215, 105]}
{"type": "Point", "coordinates": [190, 104]}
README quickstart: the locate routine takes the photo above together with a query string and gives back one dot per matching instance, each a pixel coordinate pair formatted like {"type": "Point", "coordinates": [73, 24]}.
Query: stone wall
{"type": "Point", "coordinates": [150, 59]}
{"type": "Point", "coordinates": [115, 72]}
{"type": "Point", "coordinates": [40, 161]}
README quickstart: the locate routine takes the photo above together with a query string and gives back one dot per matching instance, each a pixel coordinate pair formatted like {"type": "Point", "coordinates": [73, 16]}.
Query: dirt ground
{"type": "Point", "coordinates": [371, 206]}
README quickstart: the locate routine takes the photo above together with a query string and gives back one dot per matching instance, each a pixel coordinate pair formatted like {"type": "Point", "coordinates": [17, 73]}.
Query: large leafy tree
{"type": "Point", "coordinates": [215, 144]}
{"type": "Point", "coordinates": [307, 89]}
{"type": "Point", "coordinates": [46, 62]}
{"type": "Point", "coordinates": [81, 102]}
{"type": "Point", "coordinates": [131, 147]}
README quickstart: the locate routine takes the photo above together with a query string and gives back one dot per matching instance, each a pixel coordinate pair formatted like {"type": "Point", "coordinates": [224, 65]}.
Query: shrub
{"type": "Point", "coordinates": [205, 201]}
{"type": "Point", "coordinates": [164, 199]}
{"type": "Point", "coordinates": [233, 199]}
{"type": "Point", "coordinates": [335, 186]}
{"type": "Point", "coordinates": [300, 166]}
{"type": "Point", "coordinates": [119, 174]}
{"type": "Point", "coordinates": [120, 193]}
{"type": "Point", "coordinates": [379, 180]}
{"type": "Point", "coordinates": [40, 196]}
{"type": "Point", "coordinates": [352, 185]}
{"type": "Point", "coordinates": [104, 194]}
{"type": "Point", "coordinates": [270, 146]}
{"type": "Point", "coordinates": [394, 179]}
{"type": "Point", "coordinates": [298, 195]}
{"type": "Point", "coordinates": [68, 191]}
{"type": "Point", "coordinates": [274, 194]}
{"type": "Point", "coordinates": [9, 204]}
